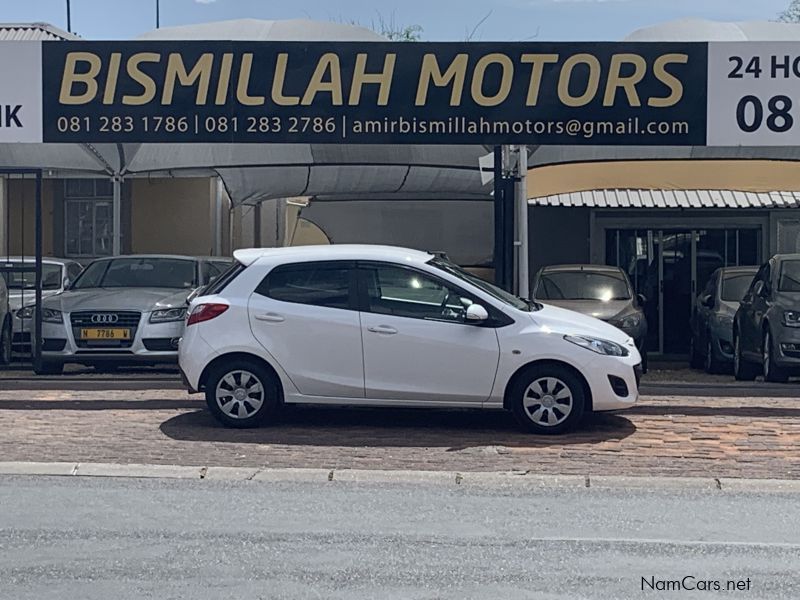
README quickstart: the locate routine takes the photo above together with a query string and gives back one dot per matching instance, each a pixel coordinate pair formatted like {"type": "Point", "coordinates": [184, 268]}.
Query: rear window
{"type": "Point", "coordinates": [317, 285]}
{"type": "Point", "coordinates": [790, 276]}
{"type": "Point", "coordinates": [222, 281]}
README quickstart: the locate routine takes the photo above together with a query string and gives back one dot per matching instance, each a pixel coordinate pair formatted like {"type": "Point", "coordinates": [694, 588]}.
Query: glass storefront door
{"type": "Point", "coordinates": [668, 267]}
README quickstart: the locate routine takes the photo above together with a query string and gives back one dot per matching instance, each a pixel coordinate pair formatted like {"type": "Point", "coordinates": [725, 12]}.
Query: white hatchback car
{"type": "Point", "coordinates": [385, 326]}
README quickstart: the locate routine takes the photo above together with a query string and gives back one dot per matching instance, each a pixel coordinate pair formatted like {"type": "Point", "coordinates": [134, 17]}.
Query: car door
{"type": "Point", "coordinates": [753, 306]}
{"type": "Point", "coordinates": [305, 315]}
{"type": "Point", "coordinates": [417, 343]}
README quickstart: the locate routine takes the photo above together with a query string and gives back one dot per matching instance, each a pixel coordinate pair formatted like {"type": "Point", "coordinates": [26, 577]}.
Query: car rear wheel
{"type": "Point", "coordinates": [772, 372]}
{"type": "Point", "coordinates": [548, 399]}
{"type": "Point", "coordinates": [742, 370]}
{"type": "Point", "coordinates": [242, 394]}
{"type": "Point", "coordinates": [5, 344]}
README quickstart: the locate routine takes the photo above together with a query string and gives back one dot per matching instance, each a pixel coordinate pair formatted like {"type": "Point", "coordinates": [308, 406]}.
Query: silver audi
{"type": "Point", "coordinates": [123, 310]}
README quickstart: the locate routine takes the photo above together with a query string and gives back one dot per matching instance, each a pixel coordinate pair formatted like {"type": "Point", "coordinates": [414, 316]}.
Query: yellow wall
{"type": "Point", "coordinates": [21, 216]}
{"type": "Point", "coordinates": [737, 175]}
{"type": "Point", "coordinates": [171, 216]}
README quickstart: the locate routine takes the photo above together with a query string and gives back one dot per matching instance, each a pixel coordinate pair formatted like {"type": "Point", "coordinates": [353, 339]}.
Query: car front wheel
{"type": "Point", "coordinates": [548, 399]}
{"type": "Point", "coordinates": [242, 394]}
{"type": "Point", "coordinates": [772, 372]}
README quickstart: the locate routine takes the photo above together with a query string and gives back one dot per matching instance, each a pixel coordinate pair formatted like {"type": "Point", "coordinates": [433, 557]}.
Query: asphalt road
{"type": "Point", "coordinates": [121, 539]}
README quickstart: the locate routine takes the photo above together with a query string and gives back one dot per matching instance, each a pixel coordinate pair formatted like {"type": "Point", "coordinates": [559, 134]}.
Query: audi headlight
{"type": "Point", "coordinates": [26, 313]}
{"type": "Point", "coordinates": [51, 315]}
{"type": "Point", "coordinates": [598, 345]}
{"type": "Point", "coordinates": [168, 314]}
{"type": "Point", "coordinates": [791, 318]}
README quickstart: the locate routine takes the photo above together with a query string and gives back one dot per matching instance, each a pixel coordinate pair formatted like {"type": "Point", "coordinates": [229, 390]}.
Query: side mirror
{"type": "Point", "coordinates": [476, 313]}
{"type": "Point", "coordinates": [758, 288]}
{"type": "Point", "coordinates": [642, 299]}
{"type": "Point", "coordinates": [707, 300]}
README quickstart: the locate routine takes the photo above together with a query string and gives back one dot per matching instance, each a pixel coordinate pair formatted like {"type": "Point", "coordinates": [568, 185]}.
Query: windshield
{"type": "Point", "coordinates": [582, 285]}
{"type": "Point", "coordinates": [51, 277]}
{"type": "Point", "coordinates": [734, 288]}
{"type": "Point", "coordinates": [790, 276]}
{"type": "Point", "coordinates": [482, 284]}
{"type": "Point", "coordinates": [143, 272]}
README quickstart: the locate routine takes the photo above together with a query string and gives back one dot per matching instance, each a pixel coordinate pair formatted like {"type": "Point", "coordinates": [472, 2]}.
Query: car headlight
{"type": "Point", "coordinates": [630, 322]}
{"type": "Point", "coordinates": [26, 312]}
{"type": "Point", "coordinates": [791, 318]}
{"type": "Point", "coordinates": [598, 345]}
{"type": "Point", "coordinates": [49, 315]}
{"type": "Point", "coordinates": [168, 314]}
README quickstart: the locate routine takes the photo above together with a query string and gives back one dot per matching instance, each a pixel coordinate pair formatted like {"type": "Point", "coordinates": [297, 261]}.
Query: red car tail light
{"type": "Point", "coordinates": [206, 312]}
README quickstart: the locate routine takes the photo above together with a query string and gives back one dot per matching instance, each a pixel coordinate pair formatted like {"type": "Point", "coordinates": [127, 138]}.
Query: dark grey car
{"type": "Point", "coordinates": [712, 319]}
{"type": "Point", "coordinates": [766, 329]}
{"type": "Point", "coordinates": [599, 291]}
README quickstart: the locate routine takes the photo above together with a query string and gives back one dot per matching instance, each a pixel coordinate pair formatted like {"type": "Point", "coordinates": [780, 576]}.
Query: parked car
{"type": "Point", "coordinates": [5, 325]}
{"type": "Point", "coordinates": [711, 346]}
{"type": "Point", "coordinates": [57, 274]}
{"type": "Point", "coordinates": [598, 291]}
{"type": "Point", "coordinates": [122, 310]}
{"type": "Point", "coordinates": [766, 329]}
{"type": "Point", "coordinates": [382, 326]}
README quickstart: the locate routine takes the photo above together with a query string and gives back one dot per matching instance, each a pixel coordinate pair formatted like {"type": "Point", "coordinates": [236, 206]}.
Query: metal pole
{"type": "Point", "coordinates": [523, 279]}
{"type": "Point", "coordinates": [499, 217]}
{"type": "Point", "coordinates": [116, 238]}
{"type": "Point", "coordinates": [158, 14]}
{"type": "Point", "coordinates": [69, 18]}
{"type": "Point", "coordinates": [37, 338]}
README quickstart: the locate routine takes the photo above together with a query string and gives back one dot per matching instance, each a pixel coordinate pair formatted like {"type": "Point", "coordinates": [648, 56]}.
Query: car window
{"type": "Point", "coordinates": [789, 280]}
{"type": "Point", "coordinates": [138, 272]}
{"type": "Point", "coordinates": [582, 285]}
{"type": "Point", "coordinates": [73, 270]}
{"type": "Point", "coordinates": [318, 285]}
{"type": "Point", "coordinates": [26, 280]}
{"type": "Point", "coordinates": [408, 293]}
{"type": "Point", "coordinates": [210, 271]}
{"type": "Point", "coordinates": [735, 287]}
{"type": "Point", "coordinates": [221, 282]}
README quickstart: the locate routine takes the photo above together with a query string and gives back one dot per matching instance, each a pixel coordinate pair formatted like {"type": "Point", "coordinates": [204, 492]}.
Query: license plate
{"type": "Point", "coordinates": [105, 334]}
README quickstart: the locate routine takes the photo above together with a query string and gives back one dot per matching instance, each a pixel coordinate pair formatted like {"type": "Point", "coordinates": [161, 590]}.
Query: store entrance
{"type": "Point", "coordinates": [669, 266]}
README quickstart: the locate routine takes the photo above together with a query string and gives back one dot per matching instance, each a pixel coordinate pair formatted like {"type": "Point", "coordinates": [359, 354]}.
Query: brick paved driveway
{"type": "Point", "coordinates": [667, 436]}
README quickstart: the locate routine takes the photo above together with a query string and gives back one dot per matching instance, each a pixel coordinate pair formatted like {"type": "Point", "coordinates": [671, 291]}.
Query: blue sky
{"type": "Point", "coordinates": [441, 19]}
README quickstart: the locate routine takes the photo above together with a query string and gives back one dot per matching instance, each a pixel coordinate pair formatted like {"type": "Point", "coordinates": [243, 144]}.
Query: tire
{"type": "Point", "coordinates": [242, 378]}
{"type": "Point", "coordinates": [5, 344]}
{"type": "Point", "coordinates": [772, 372]}
{"type": "Point", "coordinates": [643, 353]}
{"type": "Point", "coordinates": [695, 359]}
{"type": "Point", "coordinates": [49, 368]}
{"type": "Point", "coordinates": [554, 384]}
{"type": "Point", "coordinates": [712, 365]}
{"type": "Point", "coordinates": [742, 370]}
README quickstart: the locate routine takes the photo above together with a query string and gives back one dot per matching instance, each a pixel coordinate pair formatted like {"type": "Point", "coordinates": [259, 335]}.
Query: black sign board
{"type": "Point", "coordinates": [375, 92]}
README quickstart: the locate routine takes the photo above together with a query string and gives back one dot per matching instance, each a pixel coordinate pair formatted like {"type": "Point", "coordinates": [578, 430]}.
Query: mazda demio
{"type": "Point", "coordinates": [384, 326]}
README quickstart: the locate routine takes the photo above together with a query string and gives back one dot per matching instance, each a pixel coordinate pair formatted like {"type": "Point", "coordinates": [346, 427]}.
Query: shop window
{"type": "Point", "coordinates": [88, 217]}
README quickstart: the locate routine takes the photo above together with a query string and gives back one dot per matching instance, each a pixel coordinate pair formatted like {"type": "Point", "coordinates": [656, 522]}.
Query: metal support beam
{"type": "Point", "coordinates": [37, 338]}
{"type": "Point", "coordinates": [522, 242]}
{"type": "Point", "coordinates": [116, 243]}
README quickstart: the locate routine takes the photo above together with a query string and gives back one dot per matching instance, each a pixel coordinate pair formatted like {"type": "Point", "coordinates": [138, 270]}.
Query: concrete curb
{"type": "Point", "coordinates": [470, 479]}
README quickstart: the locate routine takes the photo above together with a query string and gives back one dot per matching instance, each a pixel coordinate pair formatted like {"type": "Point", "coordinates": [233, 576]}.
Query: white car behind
{"type": "Point", "coordinates": [384, 326]}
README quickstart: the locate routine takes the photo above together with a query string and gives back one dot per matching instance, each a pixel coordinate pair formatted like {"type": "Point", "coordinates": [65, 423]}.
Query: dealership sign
{"type": "Point", "coordinates": [647, 94]}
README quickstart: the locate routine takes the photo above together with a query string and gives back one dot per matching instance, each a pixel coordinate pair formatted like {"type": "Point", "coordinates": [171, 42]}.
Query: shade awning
{"type": "Point", "coordinates": [626, 198]}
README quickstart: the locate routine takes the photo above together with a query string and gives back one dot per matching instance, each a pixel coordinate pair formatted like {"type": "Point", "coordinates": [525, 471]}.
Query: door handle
{"type": "Point", "coordinates": [382, 329]}
{"type": "Point", "coordinates": [270, 318]}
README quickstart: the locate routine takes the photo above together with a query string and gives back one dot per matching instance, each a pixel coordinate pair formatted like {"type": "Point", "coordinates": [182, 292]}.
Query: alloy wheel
{"type": "Point", "coordinates": [547, 401]}
{"type": "Point", "coordinates": [240, 394]}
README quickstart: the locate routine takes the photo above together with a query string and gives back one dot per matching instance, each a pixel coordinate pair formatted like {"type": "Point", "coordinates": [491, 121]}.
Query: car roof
{"type": "Point", "coordinates": [45, 259]}
{"type": "Point", "coordinates": [174, 256]}
{"type": "Point", "coordinates": [333, 252]}
{"type": "Point", "coordinates": [741, 270]}
{"type": "Point", "coordinates": [579, 267]}
{"type": "Point", "coordinates": [781, 257]}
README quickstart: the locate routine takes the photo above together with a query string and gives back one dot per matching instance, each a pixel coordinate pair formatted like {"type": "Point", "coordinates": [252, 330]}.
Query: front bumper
{"type": "Point", "coordinates": [606, 376]}
{"type": "Point", "coordinates": [155, 343]}
{"type": "Point", "coordinates": [787, 342]}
